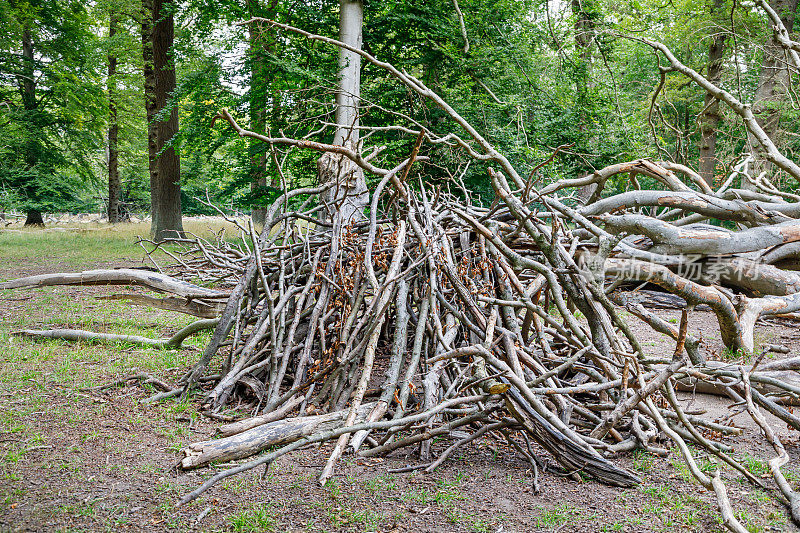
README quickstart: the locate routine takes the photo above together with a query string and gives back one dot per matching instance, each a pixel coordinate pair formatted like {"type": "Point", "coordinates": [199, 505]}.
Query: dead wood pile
{"type": "Point", "coordinates": [432, 316]}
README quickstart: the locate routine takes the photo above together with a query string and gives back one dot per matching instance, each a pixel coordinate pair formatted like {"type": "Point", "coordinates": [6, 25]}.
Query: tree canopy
{"type": "Point", "coordinates": [535, 75]}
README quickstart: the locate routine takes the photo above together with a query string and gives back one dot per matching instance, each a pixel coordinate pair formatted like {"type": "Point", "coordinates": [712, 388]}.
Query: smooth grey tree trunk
{"type": "Point", "coordinates": [349, 197]}
{"type": "Point", "coordinates": [773, 87]}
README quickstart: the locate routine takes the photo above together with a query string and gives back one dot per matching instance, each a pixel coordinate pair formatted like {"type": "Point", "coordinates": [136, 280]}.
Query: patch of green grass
{"type": "Point", "coordinates": [238, 485]}
{"type": "Point", "coordinates": [642, 460]}
{"type": "Point", "coordinates": [550, 518]}
{"type": "Point", "coordinates": [368, 518]}
{"type": "Point", "coordinates": [747, 520]}
{"type": "Point", "coordinates": [41, 364]}
{"type": "Point", "coordinates": [82, 243]}
{"type": "Point", "coordinates": [677, 462]}
{"type": "Point", "coordinates": [754, 465]}
{"type": "Point", "coordinates": [255, 520]}
{"type": "Point", "coordinates": [448, 491]}
{"type": "Point", "coordinates": [729, 354]}
{"type": "Point", "coordinates": [386, 482]}
{"type": "Point", "coordinates": [791, 475]}
{"type": "Point", "coordinates": [86, 509]}
{"type": "Point", "coordinates": [444, 493]}
{"type": "Point", "coordinates": [422, 496]}
{"type": "Point", "coordinates": [471, 521]}
{"type": "Point", "coordinates": [658, 492]}
{"type": "Point", "coordinates": [675, 510]}
{"type": "Point", "coordinates": [76, 246]}
{"type": "Point", "coordinates": [334, 488]}
{"type": "Point", "coordinates": [13, 457]}
{"type": "Point", "coordinates": [162, 488]}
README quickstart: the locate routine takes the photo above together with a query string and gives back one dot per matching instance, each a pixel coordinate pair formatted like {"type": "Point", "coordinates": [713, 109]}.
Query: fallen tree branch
{"type": "Point", "coordinates": [174, 341]}
{"type": "Point", "coordinates": [123, 276]}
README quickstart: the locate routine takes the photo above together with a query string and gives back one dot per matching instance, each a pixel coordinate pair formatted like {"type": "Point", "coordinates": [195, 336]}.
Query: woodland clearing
{"type": "Point", "coordinates": [72, 460]}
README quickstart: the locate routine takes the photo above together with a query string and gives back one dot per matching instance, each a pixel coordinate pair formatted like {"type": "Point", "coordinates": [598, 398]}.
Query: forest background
{"type": "Point", "coordinates": [534, 75]}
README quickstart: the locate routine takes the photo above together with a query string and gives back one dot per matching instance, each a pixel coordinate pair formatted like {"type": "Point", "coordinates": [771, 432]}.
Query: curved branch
{"type": "Point", "coordinates": [123, 276]}
{"type": "Point", "coordinates": [109, 338]}
{"type": "Point", "coordinates": [703, 240]}
{"type": "Point", "coordinates": [771, 151]}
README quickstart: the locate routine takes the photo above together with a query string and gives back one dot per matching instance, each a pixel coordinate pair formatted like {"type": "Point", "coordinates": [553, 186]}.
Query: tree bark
{"type": "Point", "coordinates": [709, 120]}
{"type": "Point", "coordinates": [263, 436]}
{"type": "Point", "coordinates": [34, 218]}
{"type": "Point", "coordinates": [702, 239]}
{"type": "Point", "coordinates": [773, 87]}
{"type": "Point", "coordinates": [262, 41]}
{"type": "Point", "coordinates": [583, 41]}
{"type": "Point", "coordinates": [27, 80]}
{"type": "Point", "coordinates": [114, 183]}
{"type": "Point", "coordinates": [348, 199]}
{"type": "Point", "coordinates": [28, 85]}
{"type": "Point", "coordinates": [158, 31]}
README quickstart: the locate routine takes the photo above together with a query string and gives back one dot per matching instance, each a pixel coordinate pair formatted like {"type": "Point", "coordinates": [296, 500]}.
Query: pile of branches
{"type": "Point", "coordinates": [432, 316]}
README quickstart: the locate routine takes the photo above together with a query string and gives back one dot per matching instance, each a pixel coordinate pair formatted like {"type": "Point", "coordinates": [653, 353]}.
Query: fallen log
{"type": "Point", "coordinates": [234, 428]}
{"type": "Point", "coordinates": [123, 276]}
{"type": "Point", "coordinates": [188, 306]}
{"type": "Point", "coordinates": [777, 380]}
{"type": "Point", "coordinates": [261, 437]}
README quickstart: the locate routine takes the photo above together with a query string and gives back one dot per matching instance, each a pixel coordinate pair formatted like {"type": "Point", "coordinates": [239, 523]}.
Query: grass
{"type": "Point", "coordinates": [379, 484]}
{"type": "Point", "coordinates": [369, 519]}
{"type": "Point", "coordinates": [445, 493]}
{"type": "Point", "coordinates": [642, 460]}
{"type": "Point", "coordinates": [45, 363]}
{"type": "Point", "coordinates": [731, 355]}
{"type": "Point", "coordinates": [557, 516]}
{"type": "Point", "coordinates": [77, 244]}
{"type": "Point", "coordinates": [470, 521]}
{"type": "Point", "coordinates": [754, 465]}
{"type": "Point", "coordinates": [38, 376]}
{"type": "Point", "coordinates": [254, 520]}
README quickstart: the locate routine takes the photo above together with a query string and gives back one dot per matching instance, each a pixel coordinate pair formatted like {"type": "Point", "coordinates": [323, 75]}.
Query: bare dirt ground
{"type": "Point", "coordinates": [76, 460]}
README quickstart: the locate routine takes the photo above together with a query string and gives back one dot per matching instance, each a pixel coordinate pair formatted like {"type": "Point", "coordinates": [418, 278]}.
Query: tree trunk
{"type": "Point", "coordinates": [28, 85]}
{"type": "Point", "coordinates": [27, 80]}
{"type": "Point", "coordinates": [158, 31]}
{"type": "Point", "coordinates": [261, 41]}
{"type": "Point", "coordinates": [349, 197]}
{"type": "Point", "coordinates": [773, 86]}
{"type": "Point", "coordinates": [710, 118]}
{"type": "Point", "coordinates": [583, 41]}
{"type": "Point", "coordinates": [114, 183]}
{"type": "Point", "coordinates": [34, 218]}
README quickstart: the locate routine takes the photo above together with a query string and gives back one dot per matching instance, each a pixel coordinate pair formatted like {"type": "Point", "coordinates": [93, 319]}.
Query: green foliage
{"type": "Point", "coordinates": [52, 117]}
{"type": "Point", "coordinates": [533, 77]}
